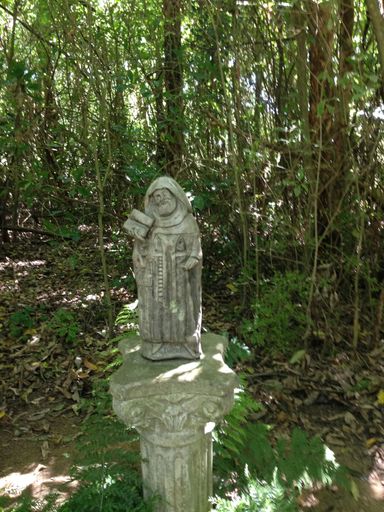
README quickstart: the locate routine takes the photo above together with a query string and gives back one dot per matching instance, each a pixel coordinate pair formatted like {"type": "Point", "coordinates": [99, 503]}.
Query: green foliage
{"type": "Point", "coordinates": [362, 385]}
{"type": "Point", "coordinates": [64, 231]}
{"type": "Point", "coordinates": [128, 316]}
{"type": "Point", "coordinates": [260, 497]}
{"type": "Point", "coordinates": [236, 352]}
{"type": "Point", "coordinates": [279, 314]}
{"type": "Point", "coordinates": [64, 325]}
{"type": "Point", "coordinates": [20, 321]}
{"type": "Point", "coordinates": [262, 475]}
{"type": "Point", "coordinates": [258, 474]}
{"type": "Point", "coordinates": [250, 149]}
{"type": "Point", "coordinates": [107, 465]}
{"type": "Point", "coordinates": [28, 504]}
{"type": "Point", "coordinates": [302, 461]}
{"type": "Point", "coordinates": [237, 440]}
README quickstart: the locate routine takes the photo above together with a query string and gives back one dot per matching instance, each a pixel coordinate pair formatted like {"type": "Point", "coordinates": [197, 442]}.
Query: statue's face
{"type": "Point", "coordinates": [165, 201]}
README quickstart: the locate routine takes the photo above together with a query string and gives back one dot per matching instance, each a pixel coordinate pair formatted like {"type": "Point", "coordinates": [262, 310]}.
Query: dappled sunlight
{"type": "Point", "coordinates": [184, 373]}
{"type": "Point", "coordinates": [376, 485]}
{"type": "Point", "coordinates": [309, 501]}
{"type": "Point", "coordinates": [223, 368]}
{"type": "Point", "coordinates": [208, 428]}
{"type": "Point", "coordinates": [270, 115]}
{"type": "Point", "coordinates": [130, 349]}
{"type": "Point", "coordinates": [8, 263]}
{"type": "Point", "coordinates": [15, 483]}
{"type": "Point", "coordinates": [368, 489]}
{"type": "Point", "coordinates": [38, 482]}
{"type": "Point", "coordinates": [34, 340]}
{"type": "Point", "coordinates": [80, 297]}
{"type": "Point", "coordinates": [21, 269]}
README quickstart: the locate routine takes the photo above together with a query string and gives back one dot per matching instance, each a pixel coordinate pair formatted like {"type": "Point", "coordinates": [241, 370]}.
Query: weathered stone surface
{"type": "Point", "coordinates": [167, 261]}
{"type": "Point", "coordinates": [174, 405]}
{"type": "Point", "coordinates": [178, 469]}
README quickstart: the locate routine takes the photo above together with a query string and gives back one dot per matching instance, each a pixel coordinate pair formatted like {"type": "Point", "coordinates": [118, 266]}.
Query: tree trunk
{"type": "Point", "coordinates": [16, 99]}
{"type": "Point", "coordinates": [173, 81]}
{"type": "Point", "coordinates": [377, 18]}
{"type": "Point", "coordinates": [300, 23]}
{"type": "Point", "coordinates": [240, 166]}
{"type": "Point", "coordinates": [159, 106]}
{"type": "Point", "coordinates": [342, 125]}
{"type": "Point", "coordinates": [321, 104]}
{"type": "Point", "coordinates": [103, 166]}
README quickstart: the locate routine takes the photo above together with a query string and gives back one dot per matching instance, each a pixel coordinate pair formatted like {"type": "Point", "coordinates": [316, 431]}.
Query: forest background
{"type": "Point", "coordinates": [268, 113]}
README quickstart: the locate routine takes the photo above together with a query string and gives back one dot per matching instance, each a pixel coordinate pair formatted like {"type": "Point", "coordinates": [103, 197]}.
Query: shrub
{"type": "Point", "coordinates": [20, 321]}
{"type": "Point", "coordinates": [279, 314]}
{"type": "Point", "coordinates": [259, 475]}
{"type": "Point", "coordinates": [64, 325]}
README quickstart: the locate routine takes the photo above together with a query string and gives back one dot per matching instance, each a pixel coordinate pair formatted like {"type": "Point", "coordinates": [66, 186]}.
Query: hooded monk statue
{"type": "Point", "coordinates": [167, 261]}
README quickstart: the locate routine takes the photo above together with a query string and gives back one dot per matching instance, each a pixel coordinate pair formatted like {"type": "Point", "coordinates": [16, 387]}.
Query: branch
{"type": "Point", "coordinates": [27, 26]}
{"type": "Point", "coordinates": [36, 231]}
{"type": "Point", "coordinates": [44, 40]}
{"type": "Point", "coordinates": [378, 29]}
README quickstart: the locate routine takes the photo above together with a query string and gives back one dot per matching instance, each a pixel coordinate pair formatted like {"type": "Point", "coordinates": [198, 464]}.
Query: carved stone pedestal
{"type": "Point", "coordinates": [174, 405]}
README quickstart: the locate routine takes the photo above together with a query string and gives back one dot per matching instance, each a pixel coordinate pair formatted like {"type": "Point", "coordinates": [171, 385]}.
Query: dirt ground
{"type": "Point", "coordinates": [369, 490]}
{"type": "Point", "coordinates": [44, 374]}
{"type": "Point", "coordinates": [34, 465]}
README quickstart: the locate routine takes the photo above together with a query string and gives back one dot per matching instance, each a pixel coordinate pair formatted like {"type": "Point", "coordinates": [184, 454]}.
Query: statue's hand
{"type": "Point", "coordinates": [139, 235]}
{"type": "Point", "coordinates": [190, 263]}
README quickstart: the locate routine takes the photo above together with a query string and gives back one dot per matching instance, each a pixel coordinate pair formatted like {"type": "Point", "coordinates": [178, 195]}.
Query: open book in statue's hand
{"type": "Point", "coordinates": [138, 224]}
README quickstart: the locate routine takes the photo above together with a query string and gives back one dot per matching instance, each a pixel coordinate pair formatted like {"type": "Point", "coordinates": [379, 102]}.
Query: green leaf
{"type": "Point", "coordinates": [17, 69]}
{"type": "Point", "coordinates": [321, 108]}
{"type": "Point", "coordinates": [297, 356]}
{"type": "Point", "coordinates": [199, 202]}
{"type": "Point", "coordinates": [355, 490]}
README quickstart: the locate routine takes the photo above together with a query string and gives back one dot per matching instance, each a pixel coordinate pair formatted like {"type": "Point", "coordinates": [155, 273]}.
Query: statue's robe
{"type": "Point", "coordinates": [169, 295]}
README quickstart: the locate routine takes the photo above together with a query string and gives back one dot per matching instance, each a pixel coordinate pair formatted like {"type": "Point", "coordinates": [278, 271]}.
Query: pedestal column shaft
{"type": "Point", "coordinates": [177, 467]}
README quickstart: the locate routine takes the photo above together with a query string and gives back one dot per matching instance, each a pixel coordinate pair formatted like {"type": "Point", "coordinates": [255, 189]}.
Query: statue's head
{"type": "Point", "coordinates": [164, 202]}
{"type": "Point", "coordinates": [166, 199]}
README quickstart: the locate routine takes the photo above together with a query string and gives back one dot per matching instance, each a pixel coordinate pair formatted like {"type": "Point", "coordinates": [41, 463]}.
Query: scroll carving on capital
{"type": "Point", "coordinates": [167, 260]}
{"type": "Point", "coordinates": [173, 413]}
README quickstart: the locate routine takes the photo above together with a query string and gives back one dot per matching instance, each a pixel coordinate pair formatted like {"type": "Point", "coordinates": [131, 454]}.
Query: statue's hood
{"type": "Point", "coordinates": [183, 204]}
{"type": "Point", "coordinates": [172, 186]}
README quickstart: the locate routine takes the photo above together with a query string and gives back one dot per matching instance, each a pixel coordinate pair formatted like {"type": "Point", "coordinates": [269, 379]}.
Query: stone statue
{"type": "Point", "coordinates": [167, 261]}
{"type": "Point", "coordinates": [173, 404]}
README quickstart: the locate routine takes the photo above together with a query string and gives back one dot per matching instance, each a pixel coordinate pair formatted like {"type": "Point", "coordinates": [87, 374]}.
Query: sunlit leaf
{"type": "Point", "coordinates": [380, 397]}
{"type": "Point", "coordinates": [90, 365]}
{"type": "Point", "coordinates": [355, 490]}
{"type": "Point", "coordinates": [371, 442]}
{"type": "Point", "coordinates": [297, 356]}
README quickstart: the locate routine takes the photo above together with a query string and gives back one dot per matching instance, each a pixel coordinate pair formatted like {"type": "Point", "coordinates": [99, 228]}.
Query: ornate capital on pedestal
{"type": "Point", "coordinates": [173, 413]}
{"type": "Point", "coordinates": [173, 395]}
